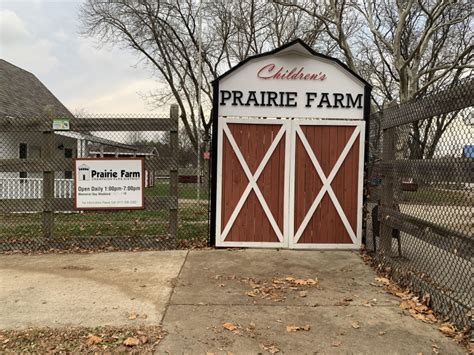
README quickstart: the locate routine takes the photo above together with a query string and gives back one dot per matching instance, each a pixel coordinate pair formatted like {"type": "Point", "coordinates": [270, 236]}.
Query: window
{"type": "Point", "coordinates": [23, 150]}
{"type": "Point", "coordinates": [23, 153]}
{"type": "Point", "coordinates": [68, 174]}
{"type": "Point", "coordinates": [68, 153]}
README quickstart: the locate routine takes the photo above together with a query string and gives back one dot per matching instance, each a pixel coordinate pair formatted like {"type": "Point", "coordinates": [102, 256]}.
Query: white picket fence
{"type": "Point", "coordinates": [16, 188]}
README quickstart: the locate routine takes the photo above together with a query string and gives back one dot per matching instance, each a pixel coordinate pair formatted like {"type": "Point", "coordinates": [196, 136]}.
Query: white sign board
{"type": "Point", "coordinates": [293, 83]}
{"type": "Point", "coordinates": [102, 183]}
{"type": "Point", "coordinates": [61, 124]}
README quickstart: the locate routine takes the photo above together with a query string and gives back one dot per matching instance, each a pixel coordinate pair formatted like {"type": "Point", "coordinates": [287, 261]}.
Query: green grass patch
{"type": "Point", "coordinates": [192, 219]}
{"type": "Point", "coordinates": [185, 191]}
{"type": "Point", "coordinates": [432, 196]}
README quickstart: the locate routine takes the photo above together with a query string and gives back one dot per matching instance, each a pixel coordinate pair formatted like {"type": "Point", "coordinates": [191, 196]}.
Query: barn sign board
{"type": "Point", "coordinates": [108, 184]}
{"type": "Point", "coordinates": [292, 83]}
{"type": "Point", "coordinates": [288, 152]}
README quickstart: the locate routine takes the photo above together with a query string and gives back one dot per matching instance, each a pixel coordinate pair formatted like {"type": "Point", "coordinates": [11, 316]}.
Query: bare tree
{"type": "Point", "coordinates": [165, 36]}
{"type": "Point", "coordinates": [405, 48]}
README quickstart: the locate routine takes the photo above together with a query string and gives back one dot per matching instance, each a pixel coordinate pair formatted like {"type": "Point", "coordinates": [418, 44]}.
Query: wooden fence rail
{"type": "Point", "coordinates": [48, 204]}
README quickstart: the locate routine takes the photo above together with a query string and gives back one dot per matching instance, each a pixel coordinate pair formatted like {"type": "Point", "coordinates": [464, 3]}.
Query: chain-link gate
{"type": "Point", "coordinates": [37, 185]}
{"type": "Point", "coordinates": [421, 193]}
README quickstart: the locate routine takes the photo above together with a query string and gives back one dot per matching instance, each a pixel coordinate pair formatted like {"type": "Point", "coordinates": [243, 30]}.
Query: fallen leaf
{"type": "Point", "coordinates": [272, 349]}
{"type": "Point", "coordinates": [132, 316]}
{"type": "Point", "coordinates": [93, 339]}
{"type": "Point", "coordinates": [355, 325]}
{"type": "Point", "coordinates": [447, 329]}
{"type": "Point", "coordinates": [229, 326]}
{"type": "Point", "coordinates": [131, 341]}
{"type": "Point", "coordinates": [143, 339]}
{"type": "Point", "coordinates": [382, 280]}
{"type": "Point", "coordinates": [253, 293]}
{"type": "Point", "coordinates": [294, 328]}
{"type": "Point", "coordinates": [407, 304]}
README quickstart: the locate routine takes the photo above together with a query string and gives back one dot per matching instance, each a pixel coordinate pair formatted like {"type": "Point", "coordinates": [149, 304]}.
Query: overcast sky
{"type": "Point", "coordinates": [43, 37]}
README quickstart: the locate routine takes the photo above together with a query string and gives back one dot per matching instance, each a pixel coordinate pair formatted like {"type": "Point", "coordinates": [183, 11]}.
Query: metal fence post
{"type": "Point", "coordinates": [174, 149]}
{"type": "Point", "coordinates": [48, 184]}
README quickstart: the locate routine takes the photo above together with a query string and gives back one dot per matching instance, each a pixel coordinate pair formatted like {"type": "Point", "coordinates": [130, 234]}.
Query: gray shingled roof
{"type": "Point", "coordinates": [23, 95]}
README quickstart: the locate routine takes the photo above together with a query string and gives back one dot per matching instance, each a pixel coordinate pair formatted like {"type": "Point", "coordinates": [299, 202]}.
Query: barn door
{"type": "Point", "coordinates": [326, 185]}
{"type": "Point", "coordinates": [253, 183]}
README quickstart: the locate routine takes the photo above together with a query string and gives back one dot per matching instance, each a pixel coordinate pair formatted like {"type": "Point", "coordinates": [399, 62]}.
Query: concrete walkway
{"type": "Point", "coordinates": [242, 301]}
{"type": "Point", "coordinates": [58, 290]}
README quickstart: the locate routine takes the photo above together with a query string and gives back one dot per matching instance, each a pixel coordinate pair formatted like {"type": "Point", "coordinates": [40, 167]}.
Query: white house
{"type": "Point", "coordinates": [22, 95]}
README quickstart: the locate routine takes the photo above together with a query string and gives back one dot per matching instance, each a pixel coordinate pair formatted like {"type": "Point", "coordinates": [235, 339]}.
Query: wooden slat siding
{"type": "Point", "coordinates": [431, 170]}
{"type": "Point", "coordinates": [449, 100]}
{"type": "Point", "coordinates": [334, 220]}
{"type": "Point", "coordinates": [233, 179]}
{"type": "Point", "coordinates": [346, 197]}
{"type": "Point", "coordinates": [251, 224]}
{"type": "Point", "coordinates": [328, 213]}
{"type": "Point", "coordinates": [338, 183]}
{"type": "Point", "coordinates": [272, 180]}
{"type": "Point", "coordinates": [326, 225]}
{"type": "Point", "coordinates": [318, 227]}
{"type": "Point", "coordinates": [299, 192]}
{"type": "Point", "coordinates": [67, 204]}
{"type": "Point", "coordinates": [234, 183]}
{"type": "Point", "coordinates": [35, 165]}
{"type": "Point", "coordinates": [307, 186]}
{"type": "Point", "coordinates": [455, 242]}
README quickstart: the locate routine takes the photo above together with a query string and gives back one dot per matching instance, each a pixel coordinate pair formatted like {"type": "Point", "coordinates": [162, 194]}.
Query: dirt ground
{"type": "Point", "coordinates": [218, 301]}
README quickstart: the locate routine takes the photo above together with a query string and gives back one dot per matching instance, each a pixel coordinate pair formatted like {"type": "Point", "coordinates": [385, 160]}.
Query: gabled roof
{"type": "Point", "coordinates": [294, 46]}
{"type": "Point", "coordinates": [23, 95]}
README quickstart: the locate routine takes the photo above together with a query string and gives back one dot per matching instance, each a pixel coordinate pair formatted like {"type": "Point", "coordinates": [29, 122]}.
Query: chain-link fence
{"type": "Point", "coordinates": [37, 186]}
{"type": "Point", "coordinates": [420, 196]}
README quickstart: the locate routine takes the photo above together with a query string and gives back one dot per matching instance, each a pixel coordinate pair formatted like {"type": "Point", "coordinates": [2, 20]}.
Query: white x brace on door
{"type": "Point", "coordinates": [252, 183]}
{"type": "Point", "coordinates": [327, 215]}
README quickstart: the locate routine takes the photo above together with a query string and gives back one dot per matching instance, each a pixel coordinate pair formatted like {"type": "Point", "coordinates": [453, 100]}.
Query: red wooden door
{"type": "Point", "coordinates": [252, 183]}
{"type": "Point", "coordinates": [326, 192]}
